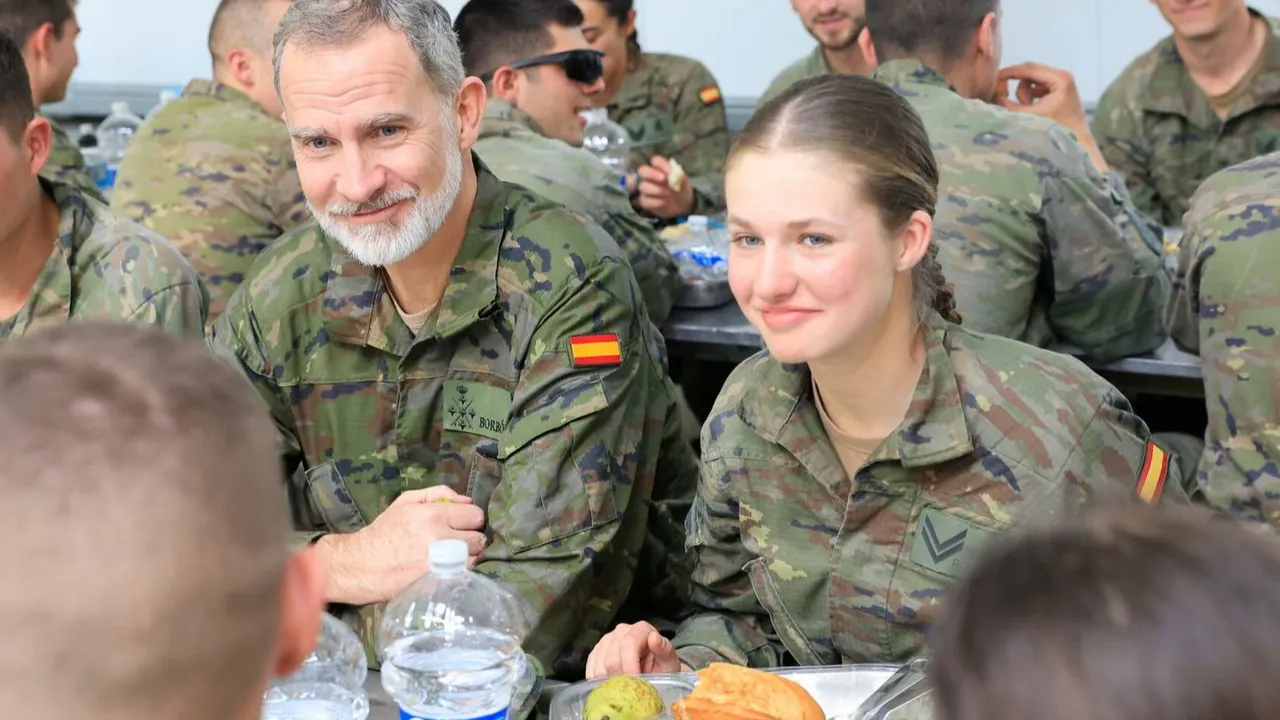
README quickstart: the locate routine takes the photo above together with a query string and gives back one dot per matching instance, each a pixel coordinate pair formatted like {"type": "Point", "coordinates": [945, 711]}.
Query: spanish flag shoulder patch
{"type": "Point", "coordinates": [595, 350]}
{"type": "Point", "coordinates": [1155, 468]}
{"type": "Point", "coordinates": [709, 94]}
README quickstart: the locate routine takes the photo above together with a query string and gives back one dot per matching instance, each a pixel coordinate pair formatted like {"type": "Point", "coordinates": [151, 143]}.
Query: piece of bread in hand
{"type": "Point", "coordinates": [729, 692]}
{"type": "Point", "coordinates": [675, 176]}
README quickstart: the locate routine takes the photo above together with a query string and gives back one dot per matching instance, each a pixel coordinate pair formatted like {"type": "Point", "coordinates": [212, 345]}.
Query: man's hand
{"type": "Point", "coordinates": [657, 197]}
{"type": "Point", "coordinates": [1050, 93]}
{"type": "Point", "coordinates": [633, 650]}
{"type": "Point", "coordinates": [376, 563]}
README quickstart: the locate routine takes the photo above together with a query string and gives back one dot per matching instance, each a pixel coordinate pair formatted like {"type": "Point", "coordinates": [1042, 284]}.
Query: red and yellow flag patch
{"type": "Point", "coordinates": [1155, 468]}
{"type": "Point", "coordinates": [595, 350]}
{"type": "Point", "coordinates": [709, 94]}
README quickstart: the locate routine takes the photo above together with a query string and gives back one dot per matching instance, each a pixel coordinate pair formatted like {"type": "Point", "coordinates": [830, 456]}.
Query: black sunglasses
{"type": "Point", "coordinates": [583, 66]}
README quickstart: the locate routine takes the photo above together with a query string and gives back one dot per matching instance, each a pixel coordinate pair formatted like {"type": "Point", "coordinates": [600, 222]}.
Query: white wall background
{"type": "Point", "coordinates": [744, 42]}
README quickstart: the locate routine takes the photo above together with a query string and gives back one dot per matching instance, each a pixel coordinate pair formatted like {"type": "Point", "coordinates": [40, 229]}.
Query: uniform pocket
{"type": "Point", "coordinates": [787, 629]}
{"type": "Point", "coordinates": [330, 499]}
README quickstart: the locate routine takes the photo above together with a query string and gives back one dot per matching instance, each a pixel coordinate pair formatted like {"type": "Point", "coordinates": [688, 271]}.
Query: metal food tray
{"type": "Point", "coordinates": [839, 689]}
{"type": "Point", "coordinates": [698, 293]}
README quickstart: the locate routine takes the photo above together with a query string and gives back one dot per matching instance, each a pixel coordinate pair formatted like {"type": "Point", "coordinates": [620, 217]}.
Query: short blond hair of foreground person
{"type": "Point", "coordinates": [1133, 614]}
{"type": "Point", "coordinates": [144, 556]}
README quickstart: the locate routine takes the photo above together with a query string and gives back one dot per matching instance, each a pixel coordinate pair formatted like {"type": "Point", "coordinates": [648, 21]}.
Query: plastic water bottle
{"type": "Point", "coordinates": [450, 643]}
{"type": "Point", "coordinates": [114, 135]}
{"type": "Point", "coordinates": [330, 683]}
{"type": "Point", "coordinates": [607, 140]}
{"type": "Point", "coordinates": [166, 97]}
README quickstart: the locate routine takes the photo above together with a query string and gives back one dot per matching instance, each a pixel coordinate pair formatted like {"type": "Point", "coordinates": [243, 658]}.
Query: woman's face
{"type": "Point", "coordinates": [810, 262]}
{"type": "Point", "coordinates": [609, 37]}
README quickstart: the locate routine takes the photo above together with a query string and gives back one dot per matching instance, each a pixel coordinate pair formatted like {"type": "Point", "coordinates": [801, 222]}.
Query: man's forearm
{"type": "Point", "coordinates": [344, 586]}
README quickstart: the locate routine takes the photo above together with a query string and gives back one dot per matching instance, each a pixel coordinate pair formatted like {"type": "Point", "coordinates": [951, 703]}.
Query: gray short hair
{"type": "Point", "coordinates": [333, 23]}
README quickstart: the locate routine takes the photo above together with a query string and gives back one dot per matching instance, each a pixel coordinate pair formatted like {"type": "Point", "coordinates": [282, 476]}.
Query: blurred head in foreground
{"type": "Point", "coordinates": [145, 563]}
{"type": "Point", "coordinates": [1137, 614]}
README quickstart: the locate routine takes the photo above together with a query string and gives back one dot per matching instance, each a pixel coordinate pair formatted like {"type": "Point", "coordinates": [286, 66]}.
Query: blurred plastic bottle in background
{"type": "Point", "coordinates": [450, 643]}
{"type": "Point", "coordinates": [330, 683]}
{"type": "Point", "coordinates": [701, 249]}
{"type": "Point", "coordinates": [166, 97]}
{"type": "Point", "coordinates": [607, 140]}
{"type": "Point", "coordinates": [95, 163]}
{"type": "Point", "coordinates": [114, 135]}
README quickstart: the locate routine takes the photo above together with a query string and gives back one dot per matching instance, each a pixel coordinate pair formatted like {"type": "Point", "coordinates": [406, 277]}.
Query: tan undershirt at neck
{"type": "Point", "coordinates": [852, 451]}
{"type": "Point", "coordinates": [415, 321]}
{"type": "Point", "coordinates": [1223, 103]}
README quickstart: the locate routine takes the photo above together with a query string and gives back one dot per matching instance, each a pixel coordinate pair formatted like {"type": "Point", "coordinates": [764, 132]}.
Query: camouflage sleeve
{"type": "Point", "coordinates": [1110, 461]}
{"type": "Point", "coordinates": [574, 469]}
{"type": "Point", "coordinates": [1109, 286]}
{"type": "Point", "coordinates": [661, 593]}
{"type": "Point", "coordinates": [731, 625]}
{"type": "Point", "coordinates": [1117, 127]}
{"type": "Point", "coordinates": [236, 339]}
{"type": "Point", "coordinates": [180, 308]}
{"type": "Point", "coordinates": [651, 261]}
{"type": "Point", "coordinates": [702, 133]}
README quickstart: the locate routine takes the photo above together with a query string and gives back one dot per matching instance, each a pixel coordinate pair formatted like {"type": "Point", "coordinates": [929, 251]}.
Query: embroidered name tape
{"type": "Point", "coordinates": [1155, 468]}
{"type": "Point", "coordinates": [595, 350]}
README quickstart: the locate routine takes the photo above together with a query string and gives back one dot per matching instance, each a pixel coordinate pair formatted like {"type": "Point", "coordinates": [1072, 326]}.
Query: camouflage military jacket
{"type": "Point", "coordinates": [539, 390]}
{"type": "Point", "coordinates": [104, 267]}
{"type": "Point", "coordinates": [1156, 127]}
{"type": "Point", "coordinates": [809, 66]}
{"type": "Point", "coordinates": [215, 174]}
{"type": "Point", "coordinates": [1226, 306]}
{"type": "Point", "coordinates": [1041, 246]}
{"type": "Point", "coordinates": [518, 153]}
{"type": "Point", "coordinates": [796, 562]}
{"type": "Point", "coordinates": [672, 107]}
{"type": "Point", "coordinates": [66, 164]}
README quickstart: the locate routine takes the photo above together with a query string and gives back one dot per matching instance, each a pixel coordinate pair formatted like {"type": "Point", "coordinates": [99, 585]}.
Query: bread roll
{"type": "Point", "coordinates": [729, 692]}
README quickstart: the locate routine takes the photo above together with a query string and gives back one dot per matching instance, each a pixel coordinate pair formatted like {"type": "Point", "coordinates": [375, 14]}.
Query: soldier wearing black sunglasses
{"type": "Point", "coordinates": [539, 71]}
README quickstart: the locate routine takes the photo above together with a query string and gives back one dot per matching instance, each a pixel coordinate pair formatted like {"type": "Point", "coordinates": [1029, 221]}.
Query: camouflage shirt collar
{"type": "Point", "coordinates": [899, 73]}
{"type": "Point", "coordinates": [502, 119]}
{"type": "Point", "coordinates": [782, 410]}
{"type": "Point", "coordinates": [51, 296]}
{"type": "Point", "coordinates": [215, 89]}
{"type": "Point", "coordinates": [358, 306]}
{"type": "Point", "coordinates": [1172, 90]}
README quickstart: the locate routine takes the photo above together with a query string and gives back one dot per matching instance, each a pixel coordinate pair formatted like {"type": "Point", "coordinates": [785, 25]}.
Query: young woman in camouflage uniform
{"type": "Point", "coordinates": [852, 471]}
{"type": "Point", "coordinates": [672, 108]}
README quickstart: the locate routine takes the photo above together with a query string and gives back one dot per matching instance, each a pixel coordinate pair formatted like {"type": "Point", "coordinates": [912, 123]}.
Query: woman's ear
{"type": "Point", "coordinates": [913, 241]}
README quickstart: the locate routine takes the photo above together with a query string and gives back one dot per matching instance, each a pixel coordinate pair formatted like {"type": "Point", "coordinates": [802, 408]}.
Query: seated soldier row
{"type": "Point", "coordinates": [437, 327]}
{"type": "Point", "coordinates": [198, 607]}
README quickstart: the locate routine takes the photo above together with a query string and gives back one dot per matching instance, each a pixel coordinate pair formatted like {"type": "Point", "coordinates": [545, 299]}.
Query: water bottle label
{"type": "Point", "coordinates": [500, 715]}
{"type": "Point", "coordinates": [108, 178]}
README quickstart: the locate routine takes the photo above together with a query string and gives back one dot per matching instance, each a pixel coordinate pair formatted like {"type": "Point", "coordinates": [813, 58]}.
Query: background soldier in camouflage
{"type": "Point", "coordinates": [441, 335]}
{"type": "Point", "coordinates": [65, 257]}
{"type": "Point", "coordinates": [672, 108]}
{"type": "Point", "coordinates": [836, 25]}
{"type": "Point", "coordinates": [532, 136]}
{"type": "Point", "coordinates": [213, 171]}
{"type": "Point", "coordinates": [1226, 306]}
{"type": "Point", "coordinates": [1201, 100]}
{"type": "Point", "coordinates": [852, 471]}
{"type": "Point", "coordinates": [46, 31]}
{"type": "Point", "coordinates": [1043, 246]}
